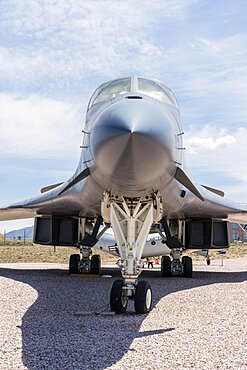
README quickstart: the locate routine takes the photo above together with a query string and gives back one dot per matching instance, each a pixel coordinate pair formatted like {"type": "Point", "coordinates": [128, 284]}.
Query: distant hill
{"type": "Point", "coordinates": [1, 236]}
{"type": "Point", "coordinates": [20, 233]}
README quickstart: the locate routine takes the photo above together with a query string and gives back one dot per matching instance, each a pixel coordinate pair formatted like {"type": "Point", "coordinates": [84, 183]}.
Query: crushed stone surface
{"type": "Point", "coordinates": [197, 323]}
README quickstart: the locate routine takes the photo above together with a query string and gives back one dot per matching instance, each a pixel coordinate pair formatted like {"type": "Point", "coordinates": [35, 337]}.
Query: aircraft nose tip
{"type": "Point", "coordinates": [124, 147]}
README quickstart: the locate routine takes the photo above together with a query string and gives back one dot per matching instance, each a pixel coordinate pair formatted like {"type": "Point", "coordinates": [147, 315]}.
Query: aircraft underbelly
{"type": "Point", "coordinates": [85, 199]}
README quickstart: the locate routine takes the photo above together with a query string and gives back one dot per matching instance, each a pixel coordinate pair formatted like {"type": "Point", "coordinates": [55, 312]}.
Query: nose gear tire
{"type": "Point", "coordinates": [118, 302]}
{"type": "Point", "coordinates": [143, 297]}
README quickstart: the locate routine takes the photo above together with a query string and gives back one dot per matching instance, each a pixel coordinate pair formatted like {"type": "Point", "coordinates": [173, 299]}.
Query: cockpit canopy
{"type": "Point", "coordinates": [133, 85]}
{"type": "Point", "coordinates": [122, 86]}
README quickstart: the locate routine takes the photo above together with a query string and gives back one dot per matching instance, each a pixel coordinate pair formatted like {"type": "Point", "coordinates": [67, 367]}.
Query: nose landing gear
{"type": "Point", "coordinates": [141, 294]}
{"type": "Point", "coordinates": [131, 220]}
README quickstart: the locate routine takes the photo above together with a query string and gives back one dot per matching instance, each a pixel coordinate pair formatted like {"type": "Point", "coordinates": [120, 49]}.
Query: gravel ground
{"type": "Point", "coordinates": [197, 323]}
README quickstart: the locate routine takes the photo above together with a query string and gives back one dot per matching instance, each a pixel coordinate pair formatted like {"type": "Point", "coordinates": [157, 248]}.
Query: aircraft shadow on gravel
{"type": "Point", "coordinates": [54, 336]}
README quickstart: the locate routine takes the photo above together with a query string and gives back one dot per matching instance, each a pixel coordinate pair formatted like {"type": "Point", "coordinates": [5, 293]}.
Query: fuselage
{"type": "Point", "coordinates": [132, 139]}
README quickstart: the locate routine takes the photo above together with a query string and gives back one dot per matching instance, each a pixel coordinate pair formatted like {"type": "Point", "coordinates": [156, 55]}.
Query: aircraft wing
{"type": "Point", "coordinates": [28, 208]}
{"type": "Point", "coordinates": [215, 205]}
{"type": "Point", "coordinates": [52, 199]}
{"type": "Point", "coordinates": [207, 202]}
{"type": "Point", "coordinates": [16, 213]}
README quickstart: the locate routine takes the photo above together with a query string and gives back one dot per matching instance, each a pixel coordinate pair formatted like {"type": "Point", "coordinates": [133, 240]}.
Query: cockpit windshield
{"type": "Point", "coordinates": [151, 88]}
{"type": "Point", "coordinates": [114, 88]}
{"type": "Point", "coordinates": [133, 85]}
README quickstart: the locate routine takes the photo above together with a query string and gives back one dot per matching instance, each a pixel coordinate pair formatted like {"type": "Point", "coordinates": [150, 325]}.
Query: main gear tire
{"type": "Point", "coordinates": [74, 261]}
{"type": "Point", "coordinates": [187, 265]}
{"type": "Point", "coordinates": [166, 266]}
{"type": "Point", "coordinates": [95, 264]}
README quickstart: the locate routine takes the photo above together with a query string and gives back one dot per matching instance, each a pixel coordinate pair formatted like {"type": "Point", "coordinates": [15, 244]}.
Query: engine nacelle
{"type": "Point", "coordinates": [206, 234]}
{"type": "Point", "coordinates": [54, 230]}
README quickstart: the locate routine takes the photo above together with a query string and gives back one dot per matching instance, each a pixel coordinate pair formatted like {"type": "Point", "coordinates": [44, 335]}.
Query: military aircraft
{"type": "Point", "coordinates": [131, 177]}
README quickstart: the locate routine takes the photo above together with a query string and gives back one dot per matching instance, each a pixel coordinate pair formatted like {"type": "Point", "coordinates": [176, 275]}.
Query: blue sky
{"type": "Point", "coordinates": [53, 55]}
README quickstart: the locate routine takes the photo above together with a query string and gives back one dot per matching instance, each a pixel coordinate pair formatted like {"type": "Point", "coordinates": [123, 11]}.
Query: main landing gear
{"type": "Point", "coordinates": [131, 220]}
{"type": "Point", "coordinates": [178, 265]}
{"type": "Point", "coordinates": [87, 264]}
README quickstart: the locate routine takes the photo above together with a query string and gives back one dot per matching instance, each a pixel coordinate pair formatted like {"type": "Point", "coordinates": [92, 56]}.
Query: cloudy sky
{"type": "Point", "coordinates": [53, 55]}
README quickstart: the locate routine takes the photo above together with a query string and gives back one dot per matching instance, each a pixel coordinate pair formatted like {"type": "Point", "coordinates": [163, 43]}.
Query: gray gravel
{"type": "Point", "coordinates": [197, 323]}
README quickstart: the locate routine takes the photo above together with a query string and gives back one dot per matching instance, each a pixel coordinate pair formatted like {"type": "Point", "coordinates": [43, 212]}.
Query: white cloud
{"type": "Point", "coordinates": [56, 46]}
{"type": "Point", "coordinates": [74, 39]}
{"type": "Point", "coordinates": [201, 143]}
{"type": "Point", "coordinates": [39, 127]}
{"type": "Point", "coordinates": [222, 154]}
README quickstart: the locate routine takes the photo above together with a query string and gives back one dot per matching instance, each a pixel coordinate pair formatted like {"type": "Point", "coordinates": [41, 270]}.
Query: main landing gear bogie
{"type": "Point", "coordinates": [84, 265]}
{"type": "Point", "coordinates": [176, 267]}
{"type": "Point", "coordinates": [121, 294]}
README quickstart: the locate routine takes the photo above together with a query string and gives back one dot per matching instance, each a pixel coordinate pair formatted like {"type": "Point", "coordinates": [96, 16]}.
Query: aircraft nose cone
{"type": "Point", "coordinates": [132, 143]}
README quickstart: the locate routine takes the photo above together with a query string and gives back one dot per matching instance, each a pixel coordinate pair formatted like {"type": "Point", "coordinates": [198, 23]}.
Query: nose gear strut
{"type": "Point", "coordinates": [131, 220]}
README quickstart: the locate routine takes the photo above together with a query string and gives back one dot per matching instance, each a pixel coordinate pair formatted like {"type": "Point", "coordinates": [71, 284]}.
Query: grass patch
{"type": "Point", "coordinates": [236, 250]}
{"type": "Point", "coordinates": [15, 251]}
